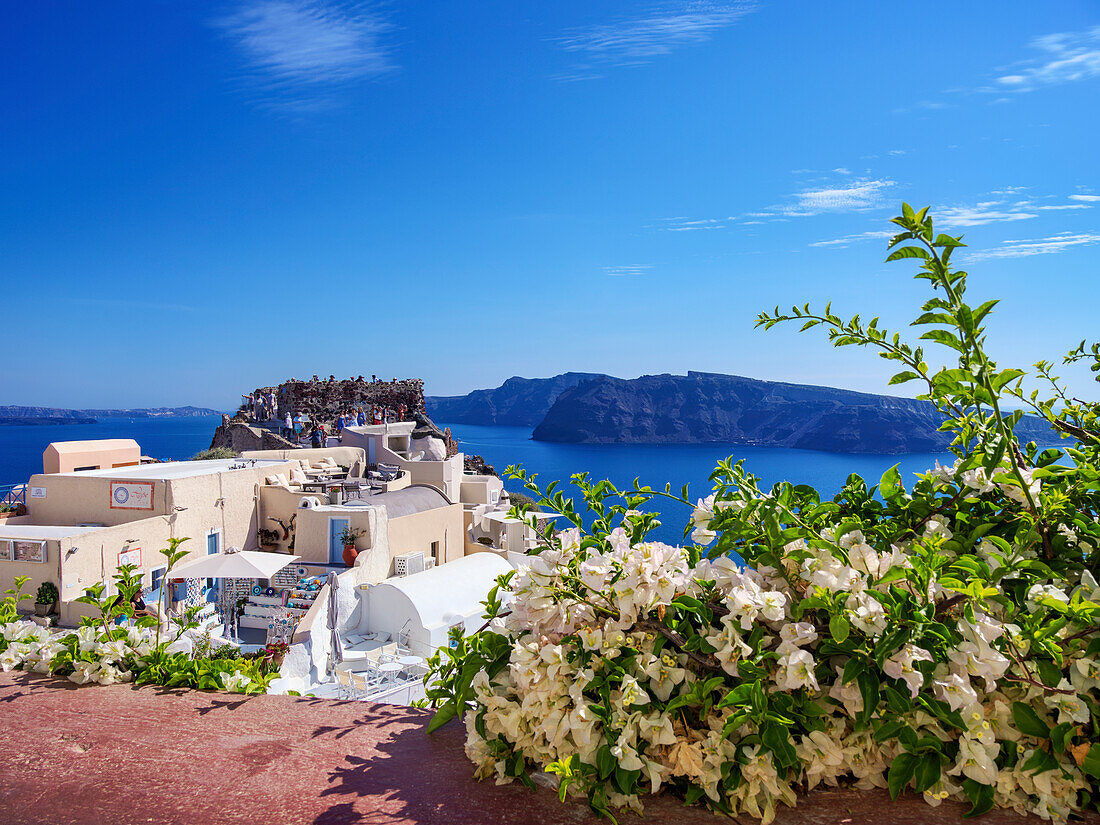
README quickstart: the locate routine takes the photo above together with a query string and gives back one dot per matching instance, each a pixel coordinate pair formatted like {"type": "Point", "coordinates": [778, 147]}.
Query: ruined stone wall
{"type": "Point", "coordinates": [324, 399]}
{"type": "Point", "coordinates": [240, 437]}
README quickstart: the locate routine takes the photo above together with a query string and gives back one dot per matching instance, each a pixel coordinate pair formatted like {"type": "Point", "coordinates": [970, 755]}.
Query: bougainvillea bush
{"type": "Point", "coordinates": [940, 637]}
{"type": "Point", "coordinates": [115, 646]}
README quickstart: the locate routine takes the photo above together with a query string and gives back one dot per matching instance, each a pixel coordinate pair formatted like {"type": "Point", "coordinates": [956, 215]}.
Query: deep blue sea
{"type": "Point", "coordinates": [656, 464]}
{"type": "Point", "coordinates": [21, 446]}
{"type": "Point", "coordinates": [176, 438]}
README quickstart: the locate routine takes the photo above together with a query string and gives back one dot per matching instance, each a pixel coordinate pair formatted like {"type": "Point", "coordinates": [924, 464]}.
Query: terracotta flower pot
{"type": "Point", "coordinates": [350, 554]}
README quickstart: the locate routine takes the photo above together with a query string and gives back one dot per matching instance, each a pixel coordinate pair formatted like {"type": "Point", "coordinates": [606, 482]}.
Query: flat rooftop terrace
{"type": "Point", "coordinates": [125, 755]}
{"type": "Point", "coordinates": [176, 469]}
{"type": "Point", "coordinates": [39, 531]}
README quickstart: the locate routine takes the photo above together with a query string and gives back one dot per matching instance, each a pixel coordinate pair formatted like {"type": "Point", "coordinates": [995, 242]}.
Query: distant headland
{"type": "Point", "coordinates": [12, 415]}
{"type": "Point", "coordinates": [698, 408]}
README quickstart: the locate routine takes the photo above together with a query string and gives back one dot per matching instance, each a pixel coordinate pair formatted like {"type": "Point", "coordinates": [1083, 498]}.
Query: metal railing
{"type": "Point", "coordinates": [11, 496]}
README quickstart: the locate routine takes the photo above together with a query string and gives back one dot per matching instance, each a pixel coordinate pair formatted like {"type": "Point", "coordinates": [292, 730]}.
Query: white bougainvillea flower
{"type": "Point", "coordinates": [1070, 707]}
{"type": "Point", "coordinates": [1017, 494]}
{"type": "Point", "coordinates": [976, 761]}
{"type": "Point", "coordinates": [701, 518]}
{"type": "Point", "coordinates": [796, 670]}
{"type": "Point", "coordinates": [978, 480]}
{"type": "Point", "coordinates": [955, 689]}
{"type": "Point", "coordinates": [1039, 592]}
{"type": "Point", "coordinates": [796, 634]}
{"type": "Point", "coordinates": [85, 672]}
{"type": "Point", "coordinates": [901, 666]}
{"type": "Point", "coordinates": [937, 526]}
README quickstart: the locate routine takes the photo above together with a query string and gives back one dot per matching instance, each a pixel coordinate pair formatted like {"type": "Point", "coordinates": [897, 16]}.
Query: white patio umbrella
{"type": "Point", "coordinates": [239, 564]}
{"type": "Point", "coordinates": [337, 654]}
{"type": "Point", "coordinates": [234, 564]}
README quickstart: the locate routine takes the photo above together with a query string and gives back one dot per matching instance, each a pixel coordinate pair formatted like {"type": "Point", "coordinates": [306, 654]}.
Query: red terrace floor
{"type": "Point", "coordinates": [118, 755]}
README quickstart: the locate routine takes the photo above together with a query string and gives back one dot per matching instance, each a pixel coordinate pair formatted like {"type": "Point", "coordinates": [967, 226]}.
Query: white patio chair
{"type": "Point", "coordinates": [360, 685]}
{"type": "Point", "coordinates": [344, 683]}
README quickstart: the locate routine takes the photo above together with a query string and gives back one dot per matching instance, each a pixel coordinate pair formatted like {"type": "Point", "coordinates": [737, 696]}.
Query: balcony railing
{"type": "Point", "coordinates": [11, 496]}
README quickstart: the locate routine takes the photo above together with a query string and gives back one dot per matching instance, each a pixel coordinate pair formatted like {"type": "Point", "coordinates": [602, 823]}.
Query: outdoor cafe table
{"type": "Point", "coordinates": [390, 669]}
{"type": "Point", "coordinates": [410, 661]}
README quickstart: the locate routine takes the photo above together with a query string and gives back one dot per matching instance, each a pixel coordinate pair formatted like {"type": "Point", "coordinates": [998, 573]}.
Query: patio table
{"type": "Point", "coordinates": [390, 670]}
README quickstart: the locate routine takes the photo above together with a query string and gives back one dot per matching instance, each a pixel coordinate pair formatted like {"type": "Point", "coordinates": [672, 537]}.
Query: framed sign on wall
{"type": "Point", "coordinates": [131, 555]}
{"type": "Point", "coordinates": [5, 551]}
{"type": "Point", "coordinates": [28, 551]}
{"type": "Point", "coordinates": [132, 495]}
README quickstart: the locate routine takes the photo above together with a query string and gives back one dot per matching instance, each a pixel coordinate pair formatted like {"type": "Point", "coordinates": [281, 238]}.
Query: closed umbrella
{"type": "Point", "coordinates": [333, 583]}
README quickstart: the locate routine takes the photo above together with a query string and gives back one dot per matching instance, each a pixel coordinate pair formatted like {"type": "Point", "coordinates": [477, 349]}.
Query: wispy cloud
{"type": "Point", "coordinates": [985, 212]}
{"type": "Point", "coordinates": [298, 53]}
{"type": "Point", "coordinates": [848, 240]}
{"type": "Point", "coordinates": [1063, 58]}
{"type": "Point", "coordinates": [1036, 246]}
{"type": "Point", "coordinates": [848, 197]}
{"type": "Point", "coordinates": [627, 270]}
{"type": "Point", "coordinates": [1085, 198]}
{"type": "Point", "coordinates": [635, 40]}
{"type": "Point", "coordinates": [685, 224]}
{"type": "Point", "coordinates": [1003, 210]}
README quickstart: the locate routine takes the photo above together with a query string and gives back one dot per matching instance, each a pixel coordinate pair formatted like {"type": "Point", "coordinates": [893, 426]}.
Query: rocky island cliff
{"type": "Point", "coordinates": [586, 408]}
{"type": "Point", "coordinates": [707, 407]}
{"type": "Point", "coordinates": [518, 402]}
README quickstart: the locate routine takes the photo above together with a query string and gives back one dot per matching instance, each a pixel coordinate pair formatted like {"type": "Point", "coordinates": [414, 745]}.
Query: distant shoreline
{"type": "Point", "coordinates": [16, 416]}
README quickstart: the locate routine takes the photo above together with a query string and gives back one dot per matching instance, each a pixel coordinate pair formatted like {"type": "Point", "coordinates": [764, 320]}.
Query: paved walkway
{"type": "Point", "coordinates": [120, 755]}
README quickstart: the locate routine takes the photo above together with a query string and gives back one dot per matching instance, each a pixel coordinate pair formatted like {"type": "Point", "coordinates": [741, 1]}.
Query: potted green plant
{"type": "Point", "coordinates": [348, 536]}
{"type": "Point", "coordinates": [45, 600]}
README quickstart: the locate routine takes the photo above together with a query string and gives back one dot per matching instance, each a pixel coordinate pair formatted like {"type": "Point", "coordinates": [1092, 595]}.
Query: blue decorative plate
{"type": "Point", "coordinates": [269, 592]}
{"type": "Point", "coordinates": [256, 590]}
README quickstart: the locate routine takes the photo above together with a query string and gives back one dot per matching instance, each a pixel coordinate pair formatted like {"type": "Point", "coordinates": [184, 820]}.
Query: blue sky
{"type": "Point", "coordinates": [199, 198]}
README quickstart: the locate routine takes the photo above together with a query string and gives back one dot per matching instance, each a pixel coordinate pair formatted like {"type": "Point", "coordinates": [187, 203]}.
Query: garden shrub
{"type": "Point", "coordinates": [938, 637]}
{"type": "Point", "coordinates": [115, 647]}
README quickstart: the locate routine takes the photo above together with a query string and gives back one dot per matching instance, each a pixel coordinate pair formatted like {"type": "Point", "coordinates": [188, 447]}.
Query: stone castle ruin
{"type": "Point", "coordinates": [321, 400]}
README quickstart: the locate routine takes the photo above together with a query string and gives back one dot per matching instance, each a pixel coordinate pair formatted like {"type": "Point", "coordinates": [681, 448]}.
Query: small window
{"type": "Point", "coordinates": [156, 579]}
{"type": "Point", "coordinates": [435, 550]}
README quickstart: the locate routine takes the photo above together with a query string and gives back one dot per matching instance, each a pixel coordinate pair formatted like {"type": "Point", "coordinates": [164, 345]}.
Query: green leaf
{"type": "Point", "coordinates": [902, 377]}
{"type": "Point", "coordinates": [442, 716]}
{"type": "Point", "coordinates": [890, 484]}
{"type": "Point", "coordinates": [928, 771]}
{"type": "Point", "coordinates": [1040, 762]}
{"type": "Point", "coordinates": [852, 668]}
{"type": "Point", "coordinates": [908, 252]}
{"type": "Point", "coordinates": [605, 762]}
{"type": "Point", "coordinates": [901, 771]}
{"type": "Point", "coordinates": [838, 627]}
{"type": "Point", "coordinates": [980, 796]}
{"type": "Point", "coordinates": [889, 730]}
{"type": "Point", "coordinates": [942, 336]}
{"type": "Point", "coordinates": [869, 690]}
{"type": "Point", "coordinates": [1091, 763]}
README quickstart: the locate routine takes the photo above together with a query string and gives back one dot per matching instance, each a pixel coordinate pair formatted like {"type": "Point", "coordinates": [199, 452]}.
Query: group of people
{"type": "Point", "coordinates": [361, 416]}
{"type": "Point", "coordinates": [294, 427]}
{"type": "Point", "coordinates": [263, 406]}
